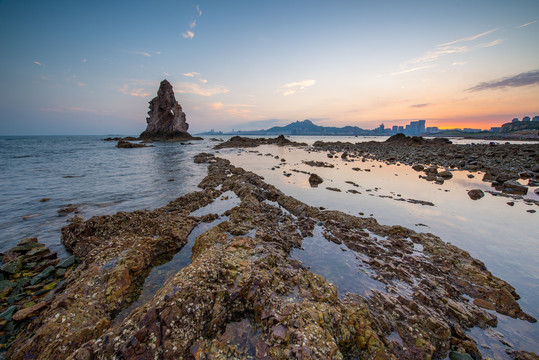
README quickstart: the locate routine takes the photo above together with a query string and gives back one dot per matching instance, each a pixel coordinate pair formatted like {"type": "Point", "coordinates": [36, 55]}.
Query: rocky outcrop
{"type": "Point", "coordinates": [244, 142]}
{"type": "Point", "coordinates": [243, 296]}
{"type": "Point", "coordinates": [166, 120]}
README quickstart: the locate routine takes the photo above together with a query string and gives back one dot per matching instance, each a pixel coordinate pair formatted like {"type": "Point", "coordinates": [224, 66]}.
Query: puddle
{"type": "Point", "coordinates": [510, 334]}
{"type": "Point", "coordinates": [243, 336]}
{"type": "Point", "coordinates": [337, 264]}
{"type": "Point", "coordinates": [225, 202]}
{"type": "Point", "coordinates": [160, 274]}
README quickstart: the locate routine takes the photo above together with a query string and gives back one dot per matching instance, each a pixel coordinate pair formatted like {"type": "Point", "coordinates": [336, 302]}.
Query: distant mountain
{"type": "Point", "coordinates": [305, 127]}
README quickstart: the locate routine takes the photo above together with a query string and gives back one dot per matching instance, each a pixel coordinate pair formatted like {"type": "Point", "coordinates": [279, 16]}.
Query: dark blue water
{"type": "Point", "coordinates": [90, 174]}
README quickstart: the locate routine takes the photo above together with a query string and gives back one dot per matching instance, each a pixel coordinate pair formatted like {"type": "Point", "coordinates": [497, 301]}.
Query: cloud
{"type": "Point", "coordinates": [489, 44]}
{"type": "Point", "coordinates": [194, 88]}
{"type": "Point", "coordinates": [199, 12]}
{"type": "Point", "coordinates": [412, 69]}
{"type": "Point", "coordinates": [38, 63]}
{"type": "Point", "coordinates": [188, 34]}
{"type": "Point", "coordinates": [129, 90]}
{"type": "Point", "coordinates": [295, 87]}
{"type": "Point", "coordinates": [459, 63]}
{"type": "Point", "coordinates": [83, 60]}
{"type": "Point", "coordinates": [204, 81]}
{"type": "Point", "coordinates": [45, 77]}
{"type": "Point", "coordinates": [458, 46]}
{"type": "Point", "coordinates": [166, 73]}
{"type": "Point", "coordinates": [241, 110]}
{"type": "Point", "coordinates": [420, 105]}
{"type": "Point", "coordinates": [143, 53]}
{"type": "Point", "coordinates": [522, 79]}
{"type": "Point", "coordinates": [191, 74]}
{"type": "Point", "coordinates": [193, 24]}
{"type": "Point", "coordinates": [526, 24]}
{"type": "Point", "coordinates": [80, 84]}
{"type": "Point", "coordinates": [470, 38]}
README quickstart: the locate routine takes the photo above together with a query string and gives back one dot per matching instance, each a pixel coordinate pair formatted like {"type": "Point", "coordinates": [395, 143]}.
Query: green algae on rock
{"type": "Point", "coordinates": [242, 275]}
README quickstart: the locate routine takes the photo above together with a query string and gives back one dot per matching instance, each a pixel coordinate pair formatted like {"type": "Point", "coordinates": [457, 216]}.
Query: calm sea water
{"type": "Point", "coordinates": [97, 178]}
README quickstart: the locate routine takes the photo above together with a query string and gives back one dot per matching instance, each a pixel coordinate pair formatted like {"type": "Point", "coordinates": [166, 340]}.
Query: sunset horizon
{"type": "Point", "coordinates": [92, 69]}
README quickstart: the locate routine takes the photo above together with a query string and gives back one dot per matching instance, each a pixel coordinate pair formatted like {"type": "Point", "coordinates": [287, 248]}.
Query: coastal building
{"type": "Point", "coordinates": [432, 129]}
{"type": "Point", "coordinates": [526, 119]}
{"type": "Point", "coordinates": [535, 118]}
{"type": "Point", "coordinates": [495, 129]}
{"type": "Point", "coordinates": [515, 120]}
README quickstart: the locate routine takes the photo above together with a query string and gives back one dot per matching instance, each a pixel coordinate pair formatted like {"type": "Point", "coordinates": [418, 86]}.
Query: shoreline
{"type": "Point", "coordinates": [276, 234]}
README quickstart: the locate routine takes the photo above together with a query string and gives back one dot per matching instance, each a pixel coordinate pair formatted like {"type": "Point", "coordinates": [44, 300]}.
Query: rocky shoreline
{"type": "Point", "coordinates": [243, 296]}
{"type": "Point", "coordinates": [502, 164]}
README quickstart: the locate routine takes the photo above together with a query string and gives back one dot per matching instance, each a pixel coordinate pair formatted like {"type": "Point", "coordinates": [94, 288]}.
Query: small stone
{"type": "Point", "coordinates": [476, 194]}
{"type": "Point", "coordinates": [511, 203]}
{"type": "Point", "coordinates": [13, 267]}
{"type": "Point", "coordinates": [44, 199]}
{"type": "Point", "coordinates": [314, 180]}
{"type": "Point", "coordinates": [531, 211]}
{"type": "Point", "coordinates": [43, 275]}
{"type": "Point", "coordinates": [67, 262]}
{"type": "Point", "coordinates": [484, 304]}
{"type": "Point", "coordinates": [29, 312]}
{"type": "Point", "coordinates": [8, 313]}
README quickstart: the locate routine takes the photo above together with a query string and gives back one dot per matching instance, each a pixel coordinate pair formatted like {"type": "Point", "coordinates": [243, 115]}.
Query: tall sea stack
{"type": "Point", "coordinates": [166, 120]}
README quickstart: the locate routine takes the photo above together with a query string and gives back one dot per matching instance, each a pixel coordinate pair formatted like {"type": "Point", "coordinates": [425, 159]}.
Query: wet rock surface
{"type": "Point", "coordinates": [245, 142]}
{"type": "Point", "coordinates": [243, 296]}
{"type": "Point", "coordinates": [30, 274]}
{"type": "Point", "coordinates": [502, 164]}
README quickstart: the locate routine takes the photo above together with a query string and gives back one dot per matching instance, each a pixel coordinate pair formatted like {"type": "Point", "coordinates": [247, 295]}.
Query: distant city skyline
{"type": "Point", "coordinates": [92, 67]}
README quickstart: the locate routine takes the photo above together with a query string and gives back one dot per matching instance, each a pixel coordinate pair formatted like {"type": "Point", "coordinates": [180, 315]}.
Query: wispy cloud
{"type": "Point", "coordinates": [459, 63]}
{"type": "Point", "coordinates": [134, 91]}
{"type": "Point", "coordinates": [191, 74]}
{"type": "Point", "coordinates": [83, 60]}
{"type": "Point", "coordinates": [188, 34]}
{"type": "Point", "coordinates": [420, 105]}
{"type": "Point", "coordinates": [240, 110]}
{"type": "Point", "coordinates": [38, 63]}
{"type": "Point", "coordinates": [204, 81]}
{"type": "Point", "coordinates": [412, 69]}
{"type": "Point", "coordinates": [526, 24]}
{"type": "Point", "coordinates": [143, 53]}
{"type": "Point", "coordinates": [522, 79]}
{"type": "Point", "coordinates": [295, 87]}
{"type": "Point", "coordinates": [80, 84]}
{"type": "Point", "coordinates": [203, 90]}
{"type": "Point", "coordinates": [458, 46]}
{"type": "Point", "coordinates": [490, 44]}
{"type": "Point", "coordinates": [469, 38]}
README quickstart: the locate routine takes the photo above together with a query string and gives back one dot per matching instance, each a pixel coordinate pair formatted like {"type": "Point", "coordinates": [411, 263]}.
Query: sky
{"type": "Point", "coordinates": [91, 67]}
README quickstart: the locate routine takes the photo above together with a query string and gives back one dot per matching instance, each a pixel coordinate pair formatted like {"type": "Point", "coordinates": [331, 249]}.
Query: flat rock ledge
{"type": "Point", "coordinates": [243, 296]}
{"type": "Point", "coordinates": [244, 142]}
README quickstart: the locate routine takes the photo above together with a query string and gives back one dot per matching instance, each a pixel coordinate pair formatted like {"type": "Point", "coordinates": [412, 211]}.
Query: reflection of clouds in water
{"type": "Point", "coordinates": [484, 228]}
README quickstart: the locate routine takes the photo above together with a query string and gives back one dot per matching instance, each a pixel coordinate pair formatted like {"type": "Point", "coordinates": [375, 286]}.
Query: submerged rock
{"type": "Point", "coordinates": [315, 180]}
{"type": "Point", "coordinates": [166, 120]}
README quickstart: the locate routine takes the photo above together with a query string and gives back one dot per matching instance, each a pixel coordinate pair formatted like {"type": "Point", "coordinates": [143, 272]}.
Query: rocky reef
{"type": "Point", "coordinates": [244, 296]}
{"type": "Point", "coordinates": [245, 142]}
{"type": "Point", "coordinates": [502, 164]}
{"type": "Point", "coordinates": [166, 120]}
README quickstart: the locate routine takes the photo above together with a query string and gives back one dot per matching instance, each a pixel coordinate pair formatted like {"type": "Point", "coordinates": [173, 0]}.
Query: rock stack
{"type": "Point", "coordinates": [166, 120]}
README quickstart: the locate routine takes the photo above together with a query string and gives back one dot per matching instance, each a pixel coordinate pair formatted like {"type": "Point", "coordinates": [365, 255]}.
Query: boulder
{"type": "Point", "coordinates": [314, 180]}
{"type": "Point", "coordinates": [514, 187]}
{"type": "Point", "coordinates": [166, 120]}
{"type": "Point", "coordinates": [476, 194]}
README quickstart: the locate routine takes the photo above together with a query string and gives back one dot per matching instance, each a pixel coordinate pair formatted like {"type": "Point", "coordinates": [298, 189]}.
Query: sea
{"type": "Point", "coordinates": [46, 180]}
